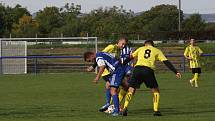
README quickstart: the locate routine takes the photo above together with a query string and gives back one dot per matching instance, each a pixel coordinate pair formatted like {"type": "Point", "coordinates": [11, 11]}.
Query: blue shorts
{"type": "Point", "coordinates": [117, 77]}
{"type": "Point", "coordinates": [128, 70]}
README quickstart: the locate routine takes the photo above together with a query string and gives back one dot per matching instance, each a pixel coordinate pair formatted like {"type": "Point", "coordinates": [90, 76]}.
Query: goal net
{"type": "Point", "coordinates": [10, 52]}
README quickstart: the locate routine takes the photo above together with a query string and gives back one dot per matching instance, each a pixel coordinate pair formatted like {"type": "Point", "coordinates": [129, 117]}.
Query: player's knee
{"type": "Point", "coordinates": [107, 85]}
{"type": "Point", "coordinates": [113, 90]}
{"type": "Point", "coordinates": [125, 85]}
{"type": "Point", "coordinates": [131, 90]}
{"type": "Point", "coordinates": [155, 90]}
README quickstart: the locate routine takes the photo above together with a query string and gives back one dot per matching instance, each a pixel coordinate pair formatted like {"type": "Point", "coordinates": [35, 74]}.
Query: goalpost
{"type": "Point", "coordinates": [15, 59]}
{"type": "Point", "coordinates": [8, 51]}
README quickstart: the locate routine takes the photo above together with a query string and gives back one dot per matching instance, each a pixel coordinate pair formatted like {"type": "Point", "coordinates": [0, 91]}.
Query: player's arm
{"type": "Point", "coordinates": [101, 65]}
{"type": "Point", "coordinates": [188, 57]}
{"type": "Point", "coordinates": [127, 60]}
{"type": "Point", "coordinates": [186, 54]}
{"type": "Point", "coordinates": [172, 68]}
{"type": "Point", "coordinates": [132, 56]}
{"type": "Point", "coordinates": [101, 70]}
{"type": "Point", "coordinates": [200, 52]}
{"type": "Point", "coordinates": [162, 58]}
{"type": "Point", "coordinates": [92, 67]}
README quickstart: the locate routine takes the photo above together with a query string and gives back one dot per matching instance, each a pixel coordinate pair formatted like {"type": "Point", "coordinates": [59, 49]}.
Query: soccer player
{"type": "Point", "coordinates": [125, 53]}
{"type": "Point", "coordinates": [115, 68]}
{"type": "Point", "coordinates": [144, 72]}
{"type": "Point", "coordinates": [114, 50]}
{"type": "Point", "coordinates": [193, 53]}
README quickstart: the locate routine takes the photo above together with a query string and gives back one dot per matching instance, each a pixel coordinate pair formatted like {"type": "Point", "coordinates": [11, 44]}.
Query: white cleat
{"type": "Point", "coordinates": [191, 83]}
{"type": "Point", "coordinates": [196, 85]}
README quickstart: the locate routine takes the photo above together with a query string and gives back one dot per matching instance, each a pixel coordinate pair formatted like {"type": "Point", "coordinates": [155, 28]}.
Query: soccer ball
{"type": "Point", "coordinates": [110, 109]}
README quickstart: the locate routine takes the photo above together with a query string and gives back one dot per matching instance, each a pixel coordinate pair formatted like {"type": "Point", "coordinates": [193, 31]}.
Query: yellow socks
{"type": "Point", "coordinates": [122, 94]}
{"type": "Point", "coordinates": [128, 98]}
{"type": "Point", "coordinates": [196, 78]}
{"type": "Point", "coordinates": [156, 101]}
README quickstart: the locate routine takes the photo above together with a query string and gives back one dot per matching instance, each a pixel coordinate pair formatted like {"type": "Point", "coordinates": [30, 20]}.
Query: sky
{"type": "Point", "coordinates": [188, 6]}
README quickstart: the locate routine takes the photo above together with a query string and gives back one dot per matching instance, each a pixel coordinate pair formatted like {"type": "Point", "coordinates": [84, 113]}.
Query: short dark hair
{"type": "Point", "coordinates": [149, 42]}
{"type": "Point", "coordinates": [124, 37]}
{"type": "Point", "coordinates": [87, 55]}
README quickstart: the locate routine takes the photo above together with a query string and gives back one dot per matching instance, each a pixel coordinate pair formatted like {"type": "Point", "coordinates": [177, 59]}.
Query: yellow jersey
{"type": "Point", "coordinates": [113, 50]}
{"type": "Point", "coordinates": [147, 55]}
{"type": "Point", "coordinates": [194, 53]}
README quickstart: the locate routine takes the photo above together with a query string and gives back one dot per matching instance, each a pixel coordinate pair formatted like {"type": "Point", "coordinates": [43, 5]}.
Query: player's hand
{"type": "Point", "coordinates": [90, 68]}
{"type": "Point", "coordinates": [178, 75]}
{"type": "Point", "coordinates": [96, 80]}
{"type": "Point", "coordinates": [189, 58]}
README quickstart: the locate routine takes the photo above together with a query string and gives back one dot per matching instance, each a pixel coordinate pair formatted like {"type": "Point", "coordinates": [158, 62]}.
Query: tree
{"type": "Point", "coordinates": [210, 26]}
{"type": "Point", "coordinates": [194, 23]}
{"type": "Point", "coordinates": [158, 18]}
{"type": "Point", "coordinates": [27, 27]}
{"type": "Point", "coordinates": [71, 9]}
{"type": "Point", "coordinates": [71, 25]}
{"type": "Point", "coordinates": [104, 22]}
{"type": "Point", "coordinates": [9, 16]}
{"type": "Point", "coordinates": [2, 14]}
{"type": "Point", "coordinates": [49, 18]}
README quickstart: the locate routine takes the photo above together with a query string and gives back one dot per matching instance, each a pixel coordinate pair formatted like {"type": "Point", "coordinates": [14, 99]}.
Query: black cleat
{"type": "Point", "coordinates": [157, 113]}
{"type": "Point", "coordinates": [125, 112]}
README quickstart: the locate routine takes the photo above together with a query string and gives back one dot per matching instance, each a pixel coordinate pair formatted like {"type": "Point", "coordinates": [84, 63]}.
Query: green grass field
{"type": "Point", "coordinates": [73, 97]}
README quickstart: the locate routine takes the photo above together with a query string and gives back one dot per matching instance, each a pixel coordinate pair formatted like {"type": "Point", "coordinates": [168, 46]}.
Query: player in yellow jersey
{"type": "Point", "coordinates": [144, 72]}
{"type": "Point", "coordinates": [193, 53]}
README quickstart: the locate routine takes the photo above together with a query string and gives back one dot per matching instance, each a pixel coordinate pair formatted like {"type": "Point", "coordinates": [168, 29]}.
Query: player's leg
{"type": "Point", "coordinates": [196, 76]}
{"type": "Point", "coordinates": [193, 79]}
{"type": "Point", "coordinates": [115, 99]}
{"type": "Point", "coordinates": [128, 98]}
{"type": "Point", "coordinates": [125, 83]}
{"type": "Point", "coordinates": [123, 92]}
{"type": "Point", "coordinates": [134, 83]}
{"type": "Point", "coordinates": [107, 94]}
{"type": "Point", "coordinates": [106, 77]}
{"type": "Point", "coordinates": [151, 82]}
{"type": "Point", "coordinates": [124, 87]}
{"type": "Point", "coordinates": [156, 98]}
{"type": "Point", "coordinates": [115, 81]}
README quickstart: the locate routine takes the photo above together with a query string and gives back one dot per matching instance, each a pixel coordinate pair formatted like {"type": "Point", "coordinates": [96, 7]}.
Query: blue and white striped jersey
{"type": "Point", "coordinates": [108, 60]}
{"type": "Point", "coordinates": [125, 53]}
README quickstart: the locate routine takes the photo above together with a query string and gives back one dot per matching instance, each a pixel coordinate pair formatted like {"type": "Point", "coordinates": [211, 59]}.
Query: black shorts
{"type": "Point", "coordinates": [196, 70]}
{"type": "Point", "coordinates": [106, 78]}
{"type": "Point", "coordinates": [143, 74]}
